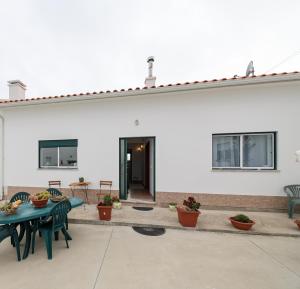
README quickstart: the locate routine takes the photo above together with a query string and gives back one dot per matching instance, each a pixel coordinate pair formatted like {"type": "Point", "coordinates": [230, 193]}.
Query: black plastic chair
{"type": "Point", "coordinates": [54, 192]}
{"type": "Point", "coordinates": [11, 231]}
{"type": "Point", "coordinates": [55, 223]}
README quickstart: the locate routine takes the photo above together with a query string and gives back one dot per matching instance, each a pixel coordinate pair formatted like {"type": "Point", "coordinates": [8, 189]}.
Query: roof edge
{"type": "Point", "coordinates": [187, 86]}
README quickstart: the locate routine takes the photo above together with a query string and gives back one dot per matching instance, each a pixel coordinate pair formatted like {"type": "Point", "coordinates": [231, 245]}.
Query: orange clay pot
{"type": "Point", "coordinates": [187, 218]}
{"type": "Point", "coordinates": [240, 225]}
{"type": "Point", "coordinates": [104, 212]}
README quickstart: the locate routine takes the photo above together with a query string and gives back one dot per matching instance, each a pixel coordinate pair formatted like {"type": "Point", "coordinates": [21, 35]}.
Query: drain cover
{"type": "Point", "coordinates": [143, 208]}
{"type": "Point", "coordinates": [149, 231]}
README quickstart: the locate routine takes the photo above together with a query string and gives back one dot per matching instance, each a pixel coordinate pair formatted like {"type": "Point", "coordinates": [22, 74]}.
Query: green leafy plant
{"type": "Point", "coordinates": [107, 201]}
{"type": "Point", "coordinates": [81, 179]}
{"type": "Point", "coordinates": [242, 218]}
{"type": "Point", "coordinates": [191, 204]}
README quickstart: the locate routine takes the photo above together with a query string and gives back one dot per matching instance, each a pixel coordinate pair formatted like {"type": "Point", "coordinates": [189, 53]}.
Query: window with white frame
{"type": "Point", "coordinates": [244, 151]}
{"type": "Point", "coordinates": [58, 153]}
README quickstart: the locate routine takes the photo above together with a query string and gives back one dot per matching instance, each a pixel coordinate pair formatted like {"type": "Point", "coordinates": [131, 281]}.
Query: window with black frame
{"type": "Point", "coordinates": [58, 153]}
{"type": "Point", "coordinates": [244, 151]}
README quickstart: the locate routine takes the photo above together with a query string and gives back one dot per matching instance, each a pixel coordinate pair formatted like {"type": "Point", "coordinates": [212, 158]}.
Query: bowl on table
{"type": "Point", "coordinates": [40, 200]}
{"type": "Point", "coordinates": [57, 199]}
{"type": "Point", "coordinates": [10, 208]}
{"type": "Point", "coordinates": [39, 203]}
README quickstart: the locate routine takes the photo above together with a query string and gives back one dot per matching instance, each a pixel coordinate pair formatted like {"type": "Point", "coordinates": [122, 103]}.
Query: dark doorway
{"type": "Point", "coordinates": [137, 168]}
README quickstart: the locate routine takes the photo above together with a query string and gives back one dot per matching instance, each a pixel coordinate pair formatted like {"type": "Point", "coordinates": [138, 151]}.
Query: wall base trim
{"type": "Point", "coordinates": [208, 201]}
{"type": "Point", "coordinates": [226, 201]}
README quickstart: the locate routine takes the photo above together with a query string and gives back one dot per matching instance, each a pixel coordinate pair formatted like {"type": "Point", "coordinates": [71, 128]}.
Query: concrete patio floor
{"type": "Point", "coordinates": [114, 257]}
{"type": "Point", "coordinates": [267, 223]}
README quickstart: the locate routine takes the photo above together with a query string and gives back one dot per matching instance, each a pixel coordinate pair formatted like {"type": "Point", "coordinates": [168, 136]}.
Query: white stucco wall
{"type": "Point", "coordinates": [183, 124]}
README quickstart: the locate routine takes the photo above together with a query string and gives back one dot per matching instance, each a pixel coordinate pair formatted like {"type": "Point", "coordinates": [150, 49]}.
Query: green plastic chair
{"type": "Point", "coordinates": [55, 223]}
{"type": "Point", "coordinates": [24, 197]}
{"type": "Point", "coordinates": [54, 192]}
{"type": "Point", "coordinates": [293, 193]}
{"type": "Point", "coordinates": [10, 231]}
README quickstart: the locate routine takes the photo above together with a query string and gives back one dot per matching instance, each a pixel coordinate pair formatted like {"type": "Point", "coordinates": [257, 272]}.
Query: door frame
{"type": "Point", "coordinates": [154, 162]}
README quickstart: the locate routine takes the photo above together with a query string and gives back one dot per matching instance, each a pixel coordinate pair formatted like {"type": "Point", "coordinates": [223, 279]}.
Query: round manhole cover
{"type": "Point", "coordinates": [149, 231]}
{"type": "Point", "coordinates": [143, 208]}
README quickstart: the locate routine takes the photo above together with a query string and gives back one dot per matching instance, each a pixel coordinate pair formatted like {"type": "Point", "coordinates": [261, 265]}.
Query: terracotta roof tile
{"type": "Point", "coordinates": [138, 88]}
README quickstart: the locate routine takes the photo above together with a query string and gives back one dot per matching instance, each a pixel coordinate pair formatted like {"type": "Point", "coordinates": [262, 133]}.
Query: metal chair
{"type": "Point", "coordinates": [293, 193]}
{"type": "Point", "coordinates": [54, 192]}
{"type": "Point", "coordinates": [11, 231]}
{"type": "Point", "coordinates": [54, 183]}
{"type": "Point", "coordinates": [55, 223]}
{"type": "Point", "coordinates": [104, 184]}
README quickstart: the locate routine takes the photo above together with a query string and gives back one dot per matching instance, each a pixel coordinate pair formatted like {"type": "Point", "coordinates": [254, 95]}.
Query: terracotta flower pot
{"type": "Point", "coordinates": [187, 218]}
{"type": "Point", "coordinates": [104, 212]}
{"type": "Point", "coordinates": [39, 203]}
{"type": "Point", "coordinates": [297, 222]}
{"type": "Point", "coordinates": [240, 225]}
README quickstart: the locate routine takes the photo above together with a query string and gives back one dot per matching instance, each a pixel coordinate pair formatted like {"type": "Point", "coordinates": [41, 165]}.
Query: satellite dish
{"type": "Point", "coordinates": [250, 69]}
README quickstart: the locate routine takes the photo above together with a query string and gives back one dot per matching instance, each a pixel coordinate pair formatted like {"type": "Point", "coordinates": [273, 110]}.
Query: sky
{"type": "Point", "coordinates": [71, 46]}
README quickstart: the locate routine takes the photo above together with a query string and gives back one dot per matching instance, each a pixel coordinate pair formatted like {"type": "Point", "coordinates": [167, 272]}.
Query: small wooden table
{"type": "Point", "coordinates": [83, 186]}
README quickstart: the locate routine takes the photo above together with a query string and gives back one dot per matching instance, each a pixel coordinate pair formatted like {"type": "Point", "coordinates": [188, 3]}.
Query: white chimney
{"type": "Point", "coordinates": [16, 89]}
{"type": "Point", "coordinates": [150, 80]}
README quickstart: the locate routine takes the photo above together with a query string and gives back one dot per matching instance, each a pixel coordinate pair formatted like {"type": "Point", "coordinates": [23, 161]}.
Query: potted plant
{"type": "Point", "coordinates": [105, 208]}
{"type": "Point", "coordinates": [81, 180]}
{"type": "Point", "coordinates": [241, 222]}
{"type": "Point", "coordinates": [40, 200]}
{"type": "Point", "coordinates": [172, 206]}
{"type": "Point", "coordinates": [188, 213]}
{"type": "Point", "coordinates": [116, 203]}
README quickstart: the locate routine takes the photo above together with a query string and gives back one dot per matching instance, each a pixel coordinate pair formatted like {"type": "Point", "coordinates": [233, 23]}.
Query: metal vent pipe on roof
{"type": "Point", "coordinates": [150, 79]}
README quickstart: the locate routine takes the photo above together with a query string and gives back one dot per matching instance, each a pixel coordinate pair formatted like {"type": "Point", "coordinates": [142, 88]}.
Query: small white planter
{"type": "Point", "coordinates": [172, 207]}
{"type": "Point", "coordinates": [117, 205]}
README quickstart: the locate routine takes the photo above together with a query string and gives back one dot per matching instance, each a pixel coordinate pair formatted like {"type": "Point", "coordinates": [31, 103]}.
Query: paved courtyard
{"type": "Point", "coordinates": [114, 257]}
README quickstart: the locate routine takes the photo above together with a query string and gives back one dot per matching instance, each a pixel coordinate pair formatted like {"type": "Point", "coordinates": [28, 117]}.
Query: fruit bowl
{"type": "Point", "coordinates": [11, 211]}
{"type": "Point", "coordinates": [57, 199]}
{"type": "Point", "coordinates": [40, 200]}
{"type": "Point", "coordinates": [10, 208]}
{"type": "Point", "coordinates": [39, 203]}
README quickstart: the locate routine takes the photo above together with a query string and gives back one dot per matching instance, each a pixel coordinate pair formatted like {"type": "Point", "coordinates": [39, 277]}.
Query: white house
{"type": "Point", "coordinates": [231, 142]}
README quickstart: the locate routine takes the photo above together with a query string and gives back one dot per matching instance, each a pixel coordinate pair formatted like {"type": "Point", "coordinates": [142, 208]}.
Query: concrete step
{"type": "Point", "coordinates": [136, 202]}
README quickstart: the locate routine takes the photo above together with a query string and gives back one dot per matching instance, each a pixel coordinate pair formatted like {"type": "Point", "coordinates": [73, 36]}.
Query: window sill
{"type": "Point", "coordinates": [58, 168]}
{"type": "Point", "coordinates": [245, 170]}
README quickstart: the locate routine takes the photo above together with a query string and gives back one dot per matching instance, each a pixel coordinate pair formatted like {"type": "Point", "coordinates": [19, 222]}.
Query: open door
{"type": "Point", "coordinates": [137, 168]}
{"type": "Point", "coordinates": [152, 167]}
{"type": "Point", "coordinates": [123, 186]}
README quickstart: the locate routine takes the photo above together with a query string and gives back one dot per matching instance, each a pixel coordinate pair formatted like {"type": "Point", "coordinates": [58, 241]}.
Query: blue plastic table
{"type": "Point", "coordinates": [27, 212]}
